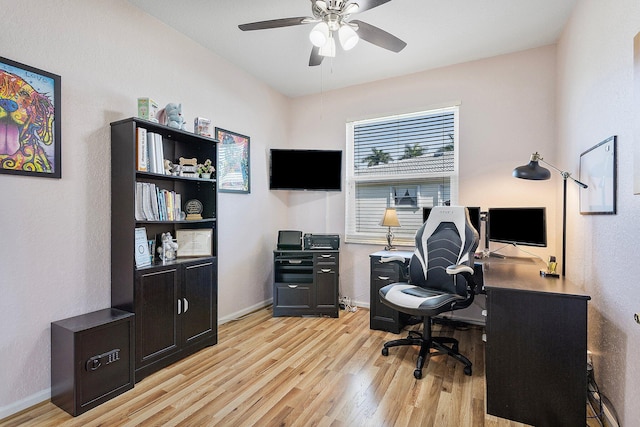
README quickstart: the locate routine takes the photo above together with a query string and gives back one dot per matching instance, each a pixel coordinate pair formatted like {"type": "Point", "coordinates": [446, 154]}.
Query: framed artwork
{"type": "Point", "coordinates": [30, 101]}
{"type": "Point", "coordinates": [233, 162]}
{"type": "Point", "coordinates": [598, 170]}
{"type": "Point", "coordinates": [194, 242]}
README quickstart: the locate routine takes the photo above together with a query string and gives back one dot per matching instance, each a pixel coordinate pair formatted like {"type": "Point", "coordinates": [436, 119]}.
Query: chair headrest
{"type": "Point", "coordinates": [457, 215]}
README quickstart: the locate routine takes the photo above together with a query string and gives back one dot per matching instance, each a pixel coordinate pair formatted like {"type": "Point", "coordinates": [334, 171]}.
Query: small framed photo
{"type": "Point", "coordinates": [194, 243]}
{"type": "Point", "coordinates": [598, 171]}
{"type": "Point", "coordinates": [31, 126]}
{"type": "Point", "coordinates": [233, 162]}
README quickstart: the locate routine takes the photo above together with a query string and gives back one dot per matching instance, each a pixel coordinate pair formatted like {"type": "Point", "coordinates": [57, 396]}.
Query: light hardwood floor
{"type": "Point", "coordinates": [291, 371]}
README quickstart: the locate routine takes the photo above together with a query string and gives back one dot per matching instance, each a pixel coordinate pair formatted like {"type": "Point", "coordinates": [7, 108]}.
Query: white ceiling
{"type": "Point", "coordinates": [438, 33]}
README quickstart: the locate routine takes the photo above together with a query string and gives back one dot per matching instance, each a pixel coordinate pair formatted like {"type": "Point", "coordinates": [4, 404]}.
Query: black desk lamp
{"type": "Point", "coordinates": [536, 172]}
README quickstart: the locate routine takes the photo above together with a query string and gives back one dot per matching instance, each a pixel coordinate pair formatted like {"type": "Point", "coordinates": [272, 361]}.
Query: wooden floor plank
{"type": "Point", "coordinates": [295, 371]}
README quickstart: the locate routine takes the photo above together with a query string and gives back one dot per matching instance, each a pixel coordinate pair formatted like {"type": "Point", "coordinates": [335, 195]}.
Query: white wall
{"type": "Point", "coordinates": [507, 110]}
{"type": "Point", "coordinates": [55, 251]}
{"type": "Point", "coordinates": [595, 101]}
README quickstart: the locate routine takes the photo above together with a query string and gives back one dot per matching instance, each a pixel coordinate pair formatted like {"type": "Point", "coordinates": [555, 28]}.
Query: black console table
{"type": "Point", "coordinates": [305, 282]}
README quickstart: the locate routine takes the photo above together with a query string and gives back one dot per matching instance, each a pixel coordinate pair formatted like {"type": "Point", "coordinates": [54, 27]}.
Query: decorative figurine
{"type": "Point", "coordinates": [171, 115]}
{"type": "Point", "coordinates": [168, 250]}
{"type": "Point", "coordinates": [206, 169]}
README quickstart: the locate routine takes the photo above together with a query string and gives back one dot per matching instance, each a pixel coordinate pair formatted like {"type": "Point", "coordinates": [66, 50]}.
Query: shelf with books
{"type": "Point", "coordinates": [159, 203]}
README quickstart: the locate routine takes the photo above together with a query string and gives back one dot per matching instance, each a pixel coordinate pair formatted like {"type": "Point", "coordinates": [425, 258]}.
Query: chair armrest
{"type": "Point", "coordinates": [396, 258]}
{"type": "Point", "coordinates": [459, 269]}
{"type": "Point", "coordinates": [402, 268]}
{"type": "Point", "coordinates": [466, 272]}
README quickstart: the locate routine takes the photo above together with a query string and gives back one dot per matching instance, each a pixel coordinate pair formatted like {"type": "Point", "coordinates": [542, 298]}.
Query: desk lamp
{"type": "Point", "coordinates": [390, 219]}
{"type": "Point", "coordinates": [536, 172]}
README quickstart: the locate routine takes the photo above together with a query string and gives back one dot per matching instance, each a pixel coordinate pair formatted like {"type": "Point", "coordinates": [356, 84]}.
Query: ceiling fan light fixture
{"type": "Point", "coordinates": [320, 34]}
{"type": "Point", "coordinates": [348, 37]}
{"type": "Point", "coordinates": [321, 4]}
{"type": "Point", "coordinates": [350, 8]}
{"type": "Point", "coordinates": [329, 48]}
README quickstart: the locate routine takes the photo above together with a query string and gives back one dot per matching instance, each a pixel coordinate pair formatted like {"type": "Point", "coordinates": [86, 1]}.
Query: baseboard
{"type": "Point", "coordinates": [362, 304]}
{"type": "Point", "coordinates": [26, 403]}
{"type": "Point", "coordinates": [608, 419]}
{"type": "Point", "coordinates": [245, 311]}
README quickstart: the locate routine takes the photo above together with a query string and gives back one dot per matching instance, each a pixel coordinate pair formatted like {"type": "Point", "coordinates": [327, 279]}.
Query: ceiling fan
{"type": "Point", "coordinates": [331, 17]}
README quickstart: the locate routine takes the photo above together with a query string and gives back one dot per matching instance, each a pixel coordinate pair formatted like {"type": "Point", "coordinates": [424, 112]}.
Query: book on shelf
{"type": "Point", "coordinates": [140, 216]}
{"type": "Point", "coordinates": [155, 153]}
{"type": "Point", "coordinates": [156, 204]}
{"type": "Point", "coordinates": [142, 152]}
{"type": "Point", "coordinates": [142, 254]}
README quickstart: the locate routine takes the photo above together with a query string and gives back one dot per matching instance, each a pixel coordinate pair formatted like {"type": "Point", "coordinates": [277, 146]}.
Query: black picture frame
{"type": "Point", "coordinates": [233, 166]}
{"type": "Point", "coordinates": [30, 97]}
{"type": "Point", "coordinates": [598, 169]}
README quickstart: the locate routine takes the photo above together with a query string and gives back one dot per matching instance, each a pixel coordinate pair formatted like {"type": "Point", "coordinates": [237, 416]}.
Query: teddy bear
{"type": "Point", "coordinates": [171, 115]}
{"type": "Point", "coordinates": [168, 250]}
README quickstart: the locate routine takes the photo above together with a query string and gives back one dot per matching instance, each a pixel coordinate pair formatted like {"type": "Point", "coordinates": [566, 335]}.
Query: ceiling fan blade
{"type": "Point", "coordinates": [274, 23]}
{"type": "Point", "coordinates": [369, 4]}
{"type": "Point", "coordinates": [316, 58]}
{"type": "Point", "coordinates": [375, 35]}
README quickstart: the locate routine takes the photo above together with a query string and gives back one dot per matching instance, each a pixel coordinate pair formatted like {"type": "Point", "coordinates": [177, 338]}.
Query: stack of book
{"type": "Point", "coordinates": [156, 204]}
{"type": "Point", "coordinates": [149, 151]}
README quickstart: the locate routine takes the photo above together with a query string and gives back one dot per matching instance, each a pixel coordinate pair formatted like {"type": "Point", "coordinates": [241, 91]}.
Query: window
{"type": "Point", "coordinates": [406, 161]}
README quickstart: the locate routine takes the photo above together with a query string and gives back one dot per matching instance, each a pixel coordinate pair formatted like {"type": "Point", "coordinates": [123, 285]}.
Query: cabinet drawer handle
{"type": "Point", "coordinates": [292, 286]}
{"type": "Point", "coordinates": [326, 255]}
{"type": "Point", "coordinates": [325, 270]}
{"type": "Point", "coordinates": [383, 277]}
{"type": "Point", "coordinates": [179, 306]}
{"type": "Point", "coordinates": [186, 305]}
{"type": "Point", "coordinates": [295, 261]}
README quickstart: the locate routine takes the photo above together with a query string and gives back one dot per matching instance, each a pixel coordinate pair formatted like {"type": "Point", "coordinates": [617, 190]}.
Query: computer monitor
{"type": "Point", "coordinates": [474, 216]}
{"type": "Point", "coordinates": [520, 226]}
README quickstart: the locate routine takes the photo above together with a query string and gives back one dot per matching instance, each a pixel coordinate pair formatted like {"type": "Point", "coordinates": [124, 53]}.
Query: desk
{"type": "Point", "coordinates": [535, 354]}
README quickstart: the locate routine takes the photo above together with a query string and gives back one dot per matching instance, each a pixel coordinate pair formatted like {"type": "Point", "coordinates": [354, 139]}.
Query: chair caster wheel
{"type": "Point", "coordinates": [467, 370]}
{"type": "Point", "coordinates": [385, 351]}
{"type": "Point", "coordinates": [417, 373]}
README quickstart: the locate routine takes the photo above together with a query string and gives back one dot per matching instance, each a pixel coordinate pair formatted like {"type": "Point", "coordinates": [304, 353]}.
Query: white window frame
{"type": "Point", "coordinates": [403, 236]}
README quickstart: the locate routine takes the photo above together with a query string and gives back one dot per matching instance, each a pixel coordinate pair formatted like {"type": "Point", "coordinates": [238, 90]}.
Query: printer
{"type": "Point", "coordinates": [321, 241]}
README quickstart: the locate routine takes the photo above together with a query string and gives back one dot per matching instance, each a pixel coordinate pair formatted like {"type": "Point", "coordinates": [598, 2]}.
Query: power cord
{"type": "Point", "coordinates": [597, 400]}
{"type": "Point", "coordinates": [346, 304]}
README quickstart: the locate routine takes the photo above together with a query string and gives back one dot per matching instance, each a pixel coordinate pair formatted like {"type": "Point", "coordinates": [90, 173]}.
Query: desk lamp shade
{"type": "Point", "coordinates": [390, 219]}
{"type": "Point", "coordinates": [533, 170]}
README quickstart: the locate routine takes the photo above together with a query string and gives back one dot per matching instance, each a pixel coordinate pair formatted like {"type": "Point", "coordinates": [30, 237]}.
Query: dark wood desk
{"type": "Point", "coordinates": [536, 349]}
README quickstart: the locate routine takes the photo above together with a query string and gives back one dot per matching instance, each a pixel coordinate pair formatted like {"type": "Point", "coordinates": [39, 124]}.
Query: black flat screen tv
{"type": "Point", "coordinates": [520, 226]}
{"type": "Point", "coordinates": [312, 170]}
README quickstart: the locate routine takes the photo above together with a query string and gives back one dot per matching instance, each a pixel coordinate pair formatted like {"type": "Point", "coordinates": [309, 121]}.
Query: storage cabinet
{"type": "Point", "coordinates": [91, 359]}
{"type": "Point", "coordinates": [175, 301]}
{"type": "Point", "coordinates": [382, 317]}
{"type": "Point", "coordinates": [306, 283]}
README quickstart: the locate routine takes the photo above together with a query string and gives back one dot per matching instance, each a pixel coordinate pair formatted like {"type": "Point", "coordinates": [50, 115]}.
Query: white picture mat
{"type": "Point", "coordinates": [598, 171]}
{"type": "Point", "coordinates": [142, 256]}
{"type": "Point", "coordinates": [194, 242]}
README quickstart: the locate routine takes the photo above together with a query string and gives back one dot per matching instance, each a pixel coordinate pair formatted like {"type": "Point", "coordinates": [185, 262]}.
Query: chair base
{"type": "Point", "coordinates": [426, 343]}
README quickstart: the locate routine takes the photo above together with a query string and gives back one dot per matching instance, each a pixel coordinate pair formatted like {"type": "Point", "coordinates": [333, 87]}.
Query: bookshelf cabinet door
{"type": "Point", "coordinates": [157, 333]}
{"type": "Point", "coordinates": [198, 301]}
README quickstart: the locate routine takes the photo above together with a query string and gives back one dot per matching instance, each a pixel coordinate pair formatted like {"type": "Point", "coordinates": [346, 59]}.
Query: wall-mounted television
{"type": "Point", "coordinates": [474, 216]}
{"type": "Point", "coordinates": [312, 170]}
{"type": "Point", "coordinates": [521, 226]}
